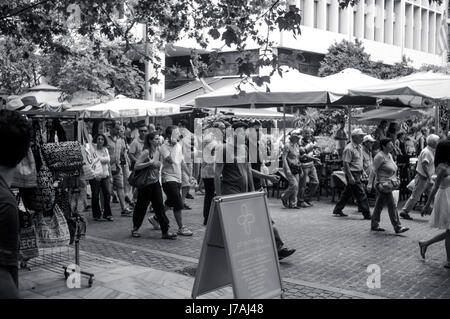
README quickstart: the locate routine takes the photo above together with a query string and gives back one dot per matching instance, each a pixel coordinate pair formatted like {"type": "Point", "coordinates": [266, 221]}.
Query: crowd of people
{"type": "Point", "coordinates": [164, 157]}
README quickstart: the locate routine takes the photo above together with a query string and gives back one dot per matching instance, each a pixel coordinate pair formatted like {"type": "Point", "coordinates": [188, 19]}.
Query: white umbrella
{"type": "Point", "coordinates": [292, 87]}
{"type": "Point", "coordinates": [393, 113]}
{"type": "Point", "coordinates": [411, 89]}
{"type": "Point", "coordinates": [122, 107]}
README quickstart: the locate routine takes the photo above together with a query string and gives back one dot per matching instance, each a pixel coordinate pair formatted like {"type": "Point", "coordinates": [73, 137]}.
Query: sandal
{"type": "Point", "coordinates": [135, 234]}
{"type": "Point", "coordinates": [447, 265]}
{"type": "Point", "coordinates": [423, 249]}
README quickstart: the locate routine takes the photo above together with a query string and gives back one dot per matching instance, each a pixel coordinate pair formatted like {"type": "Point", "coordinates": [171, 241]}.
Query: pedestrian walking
{"type": "Point", "coordinates": [309, 177]}
{"type": "Point", "coordinates": [235, 175]}
{"type": "Point", "coordinates": [424, 171]}
{"type": "Point", "coordinates": [116, 148]}
{"type": "Point", "coordinates": [440, 216]}
{"type": "Point", "coordinates": [149, 160]}
{"type": "Point", "coordinates": [171, 175]}
{"type": "Point", "coordinates": [292, 169]}
{"type": "Point", "coordinates": [352, 158]}
{"type": "Point", "coordinates": [102, 182]}
{"type": "Point", "coordinates": [386, 181]}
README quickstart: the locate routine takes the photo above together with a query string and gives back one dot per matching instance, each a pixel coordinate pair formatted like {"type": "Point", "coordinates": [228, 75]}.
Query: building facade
{"type": "Point", "coordinates": [388, 29]}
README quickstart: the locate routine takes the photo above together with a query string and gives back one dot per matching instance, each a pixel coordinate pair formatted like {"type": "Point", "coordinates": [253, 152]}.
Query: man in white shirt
{"type": "Point", "coordinates": [173, 166]}
{"type": "Point", "coordinates": [425, 170]}
{"type": "Point", "coordinates": [117, 148]}
{"type": "Point", "coordinates": [186, 142]}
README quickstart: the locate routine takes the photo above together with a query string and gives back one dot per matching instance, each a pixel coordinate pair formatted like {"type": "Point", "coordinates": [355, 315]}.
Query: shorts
{"type": "Point", "coordinates": [185, 177]}
{"type": "Point", "coordinates": [173, 194]}
{"type": "Point", "coordinates": [117, 180]}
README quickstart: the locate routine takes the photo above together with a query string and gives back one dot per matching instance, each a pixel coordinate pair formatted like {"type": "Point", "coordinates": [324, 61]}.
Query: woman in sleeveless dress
{"type": "Point", "coordinates": [440, 216]}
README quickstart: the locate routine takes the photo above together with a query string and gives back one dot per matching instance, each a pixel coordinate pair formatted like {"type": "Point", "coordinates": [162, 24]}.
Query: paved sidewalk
{"type": "Point", "coordinates": [113, 279]}
{"type": "Point", "coordinates": [331, 252]}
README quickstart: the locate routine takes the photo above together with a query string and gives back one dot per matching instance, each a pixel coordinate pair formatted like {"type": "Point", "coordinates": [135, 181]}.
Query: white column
{"type": "Point", "coordinates": [322, 15]}
{"type": "Point", "coordinates": [370, 20]}
{"type": "Point", "coordinates": [409, 36]}
{"type": "Point", "coordinates": [389, 22]}
{"type": "Point", "coordinates": [334, 16]}
{"type": "Point", "coordinates": [379, 20]}
{"type": "Point", "coordinates": [432, 33]}
{"type": "Point", "coordinates": [359, 22]}
{"type": "Point", "coordinates": [417, 28]}
{"type": "Point", "coordinates": [425, 30]}
{"type": "Point", "coordinates": [309, 13]}
{"type": "Point", "coordinates": [345, 21]}
{"type": "Point", "coordinates": [399, 13]}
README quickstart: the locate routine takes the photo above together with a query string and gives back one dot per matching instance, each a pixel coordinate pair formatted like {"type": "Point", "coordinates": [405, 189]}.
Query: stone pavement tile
{"type": "Point", "coordinates": [119, 272]}
{"type": "Point", "coordinates": [133, 286]}
{"type": "Point", "coordinates": [28, 294]}
{"type": "Point", "coordinates": [101, 292]}
{"type": "Point", "coordinates": [159, 277]}
{"type": "Point", "coordinates": [174, 292]}
{"type": "Point", "coordinates": [26, 284]}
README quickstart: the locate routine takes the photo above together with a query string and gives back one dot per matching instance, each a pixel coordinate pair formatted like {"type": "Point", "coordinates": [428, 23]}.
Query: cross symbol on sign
{"type": "Point", "coordinates": [246, 219]}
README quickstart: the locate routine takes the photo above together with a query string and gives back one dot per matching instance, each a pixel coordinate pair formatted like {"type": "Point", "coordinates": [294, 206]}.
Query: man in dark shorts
{"type": "Point", "coordinates": [15, 134]}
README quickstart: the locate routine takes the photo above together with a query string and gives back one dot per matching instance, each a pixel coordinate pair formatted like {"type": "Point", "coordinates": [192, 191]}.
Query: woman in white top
{"type": "Point", "coordinates": [101, 182]}
{"type": "Point", "coordinates": [440, 216]}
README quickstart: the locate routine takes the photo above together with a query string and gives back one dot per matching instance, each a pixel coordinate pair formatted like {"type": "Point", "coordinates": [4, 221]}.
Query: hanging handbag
{"type": "Point", "coordinates": [28, 239]}
{"type": "Point", "coordinates": [25, 175]}
{"type": "Point", "coordinates": [65, 157]}
{"type": "Point", "coordinates": [42, 197]}
{"type": "Point", "coordinates": [88, 170]}
{"type": "Point", "coordinates": [53, 231]}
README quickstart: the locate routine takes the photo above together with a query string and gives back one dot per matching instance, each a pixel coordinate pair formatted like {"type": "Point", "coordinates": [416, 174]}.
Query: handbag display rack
{"type": "Point", "coordinates": [55, 257]}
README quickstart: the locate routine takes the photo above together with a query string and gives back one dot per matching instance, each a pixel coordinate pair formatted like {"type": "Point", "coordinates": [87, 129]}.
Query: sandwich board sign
{"type": "Point", "coordinates": [239, 249]}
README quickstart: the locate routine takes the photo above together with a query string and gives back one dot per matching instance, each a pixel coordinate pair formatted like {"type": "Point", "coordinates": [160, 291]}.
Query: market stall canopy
{"type": "Point", "coordinates": [290, 88]}
{"type": "Point", "coordinates": [185, 94]}
{"type": "Point", "coordinates": [122, 107]}
{"type": "Point", "coordinates": [338, 86]}
{"type": "Point", "coordinates": [43, 96]}
{"type": "Point", "coordinates": [257, 114]}
{"type": "Point", "coordinates": [415, 90]}
{"type": "Point", "coordinates": [393, 113]}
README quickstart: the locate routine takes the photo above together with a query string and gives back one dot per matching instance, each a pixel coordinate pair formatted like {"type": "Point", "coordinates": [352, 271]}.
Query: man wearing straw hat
{"type": "Point", "coordinates": [352, 160]}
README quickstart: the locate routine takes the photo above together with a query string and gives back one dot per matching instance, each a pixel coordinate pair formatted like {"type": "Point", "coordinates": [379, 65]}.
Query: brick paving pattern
{"type": "Point", "coordinates": [332, 252]}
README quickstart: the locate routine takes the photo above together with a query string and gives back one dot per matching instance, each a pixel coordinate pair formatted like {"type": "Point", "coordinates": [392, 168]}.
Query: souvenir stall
{"type": "Point", "coordinates": [47, 184]}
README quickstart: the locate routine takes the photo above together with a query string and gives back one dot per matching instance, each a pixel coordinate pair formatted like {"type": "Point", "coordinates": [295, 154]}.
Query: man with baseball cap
{"type": "Point", "coordinates": [352, 159]}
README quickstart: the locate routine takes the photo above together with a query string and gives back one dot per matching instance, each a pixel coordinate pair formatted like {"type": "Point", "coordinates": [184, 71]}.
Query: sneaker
{"type": "Point", "coordinates": [401, 230]}
{"type": "Point", "coordinates": [97, 219]}
{"type": "Point", "coordinates": [126, 213]}
{"type": "Point", "coordinates": [285, 252]}
{"type": "Point", "coordinates": [169, 236]}
{"type": "Point", "coordinates": [109, 218]}
{"type": "Point", "coordinates": [405, 215]}
{"type": "Point", "coordinates": [135, 234]}
{"type": "Point", "coordinates": [309, 203]}
{"type": "Point", "coordinates": [154, 223]}
{"type": "Point", "coordinates": [189, 196]}
{"type": "Point", "coordinates": [186, 207]}
{"type": "Point", "coordinates": [303, 205]}
{"type": "Point", "coordinates": [184, 231]}
{"type": "Point", "coordinates": [340, 214]}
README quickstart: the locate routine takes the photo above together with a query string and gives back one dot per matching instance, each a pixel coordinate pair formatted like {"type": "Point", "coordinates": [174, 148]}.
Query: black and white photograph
{"type": "Point", "coordinates": [223, 153]}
